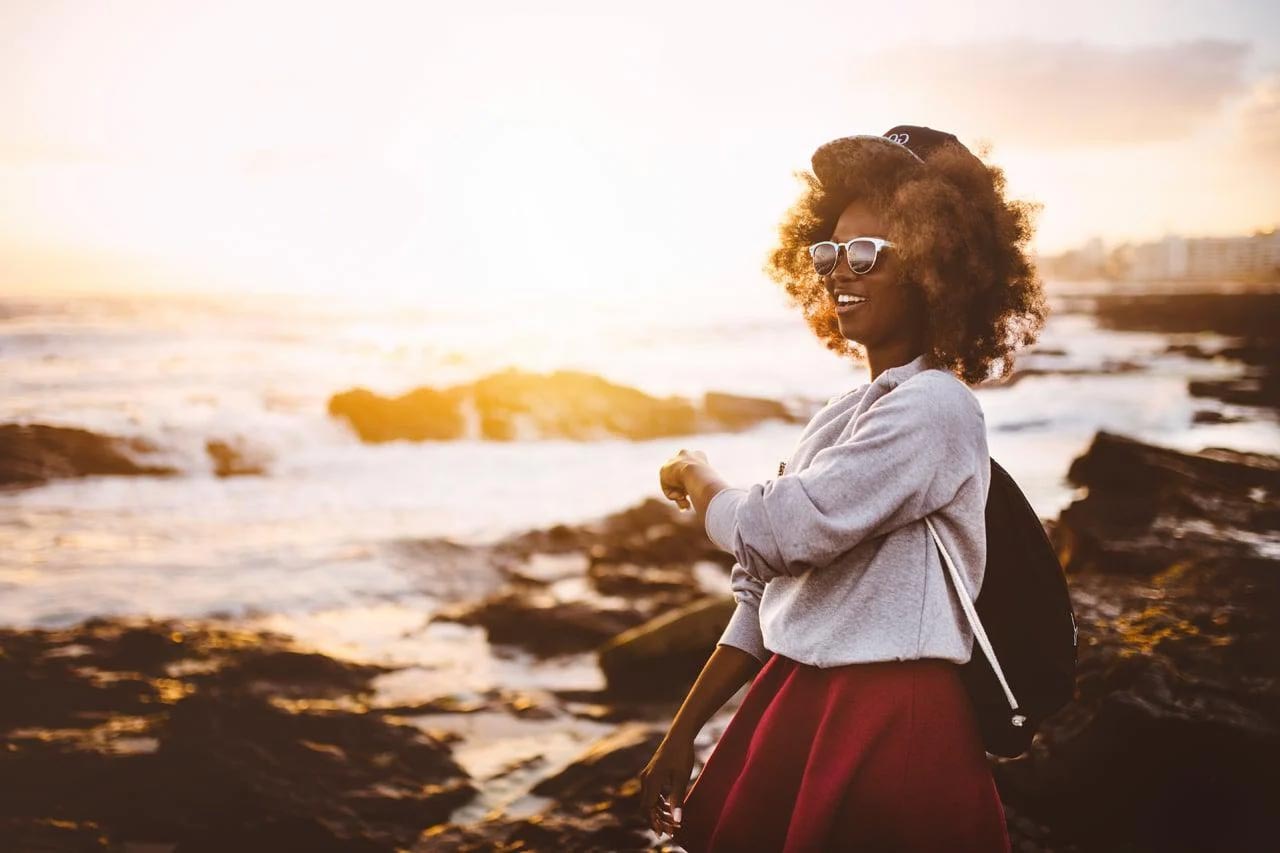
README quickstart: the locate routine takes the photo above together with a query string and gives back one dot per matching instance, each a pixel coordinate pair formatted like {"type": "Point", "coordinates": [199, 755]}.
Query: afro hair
{"type": "Point", "coordinates": [958, 240]}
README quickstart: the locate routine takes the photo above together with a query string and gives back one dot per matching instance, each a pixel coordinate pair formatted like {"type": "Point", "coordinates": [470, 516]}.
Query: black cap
{"type": "Point", "coordinates": [913, 141]}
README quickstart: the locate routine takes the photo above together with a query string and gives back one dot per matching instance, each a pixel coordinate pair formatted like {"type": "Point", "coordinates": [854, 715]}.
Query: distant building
{"type": "Point", "coordinates": [1172, 258]}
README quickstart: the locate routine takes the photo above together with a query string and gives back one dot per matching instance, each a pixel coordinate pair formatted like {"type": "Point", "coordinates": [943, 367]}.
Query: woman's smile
{"type": "Point", "coordinates": [844, 309]}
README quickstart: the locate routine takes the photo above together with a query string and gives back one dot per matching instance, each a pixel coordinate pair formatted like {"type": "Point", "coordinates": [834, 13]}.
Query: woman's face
{"type": "Point", "coordinates": [892, 313]}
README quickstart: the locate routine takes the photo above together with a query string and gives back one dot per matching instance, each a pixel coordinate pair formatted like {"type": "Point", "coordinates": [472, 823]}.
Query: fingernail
{"type": "Point", "coordinates": [676, 814]}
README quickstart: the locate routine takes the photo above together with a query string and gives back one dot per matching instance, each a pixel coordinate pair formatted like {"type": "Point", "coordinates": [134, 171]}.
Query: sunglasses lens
{"type": "Point", "coordinates": [862, 254]}
{"type": "Point", "coordinates": [825, 256]}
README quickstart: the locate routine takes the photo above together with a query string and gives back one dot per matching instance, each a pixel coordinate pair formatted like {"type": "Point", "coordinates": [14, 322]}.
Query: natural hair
{"type": "Point", "coordinates": [958, 240]}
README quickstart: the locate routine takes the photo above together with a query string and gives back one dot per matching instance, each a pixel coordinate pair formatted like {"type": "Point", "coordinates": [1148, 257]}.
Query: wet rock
{"type": "Point", "coordinates": [1259, 386]}
{"type": "Point", "coordinates": [34, 453]}
{"type": "Point", "coordinates": [1149, 506]}
{"type": "Point", "coordinates": [738, 412]}
{"type": "Point", "coordinates": [1108, 367]}
{"type": "Point", "coordinates": [1173, 741]}
{"type": "Point", "coordinates": [574, 587]}
{"type": "Point", "coordinates": [582, 831]}
{"type": "Point", "coordinates": [204, 738]}
{"type": "Point", "coordinates": [543, 568]}
{"type": "Point", "coordinates": [1191, 351]}
{"type": "Point", "coordinates": [665, 654]}
{"type": "Point", "coordinates": [514, 405]}
{"type": "Point", "coordinates": [449, 570]}
{"type": "Point", "coordinates": [1251, 319]}
{"type": "Point", "coordinates": [421, 415]}
{"type": "Point", "coordinates": [233, 459]}
{"type": "Point", "coordinates": [1246, 315]}
{"type": "Point", "coordinates": [628, 579]}
{"type": "Point", "coordinates": [610, 761]}
{"type": "Point", "coordinates": [576, 405]}
{"type": "Point", "coordinates": [542, 623]}
{"type": "Point", "coordinates": [1210, 416]}
{"type": "Point", "coordinates": [651, 533]}
{"type": "Point", "coordinates": [598, 536]}
{"type": "Point", "coordinates": [596, 805]}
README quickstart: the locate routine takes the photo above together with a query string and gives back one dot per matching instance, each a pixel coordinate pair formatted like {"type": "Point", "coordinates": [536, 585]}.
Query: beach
{"type": "Point", "coordinates": [289, 575]}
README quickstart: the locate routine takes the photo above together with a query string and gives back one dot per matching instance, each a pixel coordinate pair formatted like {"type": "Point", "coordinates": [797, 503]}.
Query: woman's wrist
{"type": "Point", "coordinates": [701, 484]}
{"type": "Point", "coordinates": [725, 671]}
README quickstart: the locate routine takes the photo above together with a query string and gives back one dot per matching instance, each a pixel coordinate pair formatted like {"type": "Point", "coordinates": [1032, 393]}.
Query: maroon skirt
{"type": "Point", "coordinates": [864, 757]}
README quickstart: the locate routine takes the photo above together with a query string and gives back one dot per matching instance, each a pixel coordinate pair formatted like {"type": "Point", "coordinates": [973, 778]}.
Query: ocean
{"type": "Point", "coordinates": [330, 535]}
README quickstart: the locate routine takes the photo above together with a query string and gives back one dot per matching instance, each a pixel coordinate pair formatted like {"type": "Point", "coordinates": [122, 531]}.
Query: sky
{"type": "Point", "coordinates": [493, 151]}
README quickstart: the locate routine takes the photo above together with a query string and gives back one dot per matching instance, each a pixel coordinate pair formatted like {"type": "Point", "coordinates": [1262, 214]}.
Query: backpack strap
{"type": "Point", "coordinates": [975, 623]}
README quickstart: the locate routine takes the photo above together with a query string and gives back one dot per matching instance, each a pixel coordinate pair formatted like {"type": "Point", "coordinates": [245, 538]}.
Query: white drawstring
{"type": "Point", "coordinates": [975, 623]}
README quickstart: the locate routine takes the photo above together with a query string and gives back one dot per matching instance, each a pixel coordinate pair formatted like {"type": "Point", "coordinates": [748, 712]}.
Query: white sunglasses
{"type": "Point", "coordinates": [861, 252]}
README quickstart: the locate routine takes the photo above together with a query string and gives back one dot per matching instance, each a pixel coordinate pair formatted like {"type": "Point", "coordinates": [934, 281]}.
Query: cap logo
{"type": "Point", "coordinates": [900, 138]}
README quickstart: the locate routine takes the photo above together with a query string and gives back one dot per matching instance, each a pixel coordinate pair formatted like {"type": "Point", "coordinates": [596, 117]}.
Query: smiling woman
{"type": "Point", "coordinates": [857, 732]}
{"type": "Point", "coordinates": [958, 248]}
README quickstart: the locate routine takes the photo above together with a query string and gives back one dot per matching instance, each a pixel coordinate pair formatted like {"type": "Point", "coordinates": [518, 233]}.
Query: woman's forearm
{"type": "Point", "coordinates": [724, 673]}
{"type": "Point", "coordinates": [702, 483]}
{"type": "Point", "coordinates": [728, 667]}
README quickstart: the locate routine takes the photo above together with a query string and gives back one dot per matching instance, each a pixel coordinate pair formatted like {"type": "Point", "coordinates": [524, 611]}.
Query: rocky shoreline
{"type": "Point", "coordinates": [514, 405]}
{"type": "Point", "coordinates": [191, 736]}
{"type": "Point", "coordinates": [571, 404]}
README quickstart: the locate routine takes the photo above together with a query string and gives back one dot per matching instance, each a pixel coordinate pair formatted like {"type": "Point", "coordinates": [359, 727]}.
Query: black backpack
{"type": "Point", "coordinates": [1026, 619]}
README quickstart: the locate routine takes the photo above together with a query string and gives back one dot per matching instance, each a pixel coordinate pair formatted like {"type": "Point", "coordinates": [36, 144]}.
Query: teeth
{"type": "Point", "coordinates": [845, 299]}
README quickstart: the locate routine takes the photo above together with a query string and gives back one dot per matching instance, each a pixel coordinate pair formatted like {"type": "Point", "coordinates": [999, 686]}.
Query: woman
{"type": "Point", "coordinates": [856, 732]}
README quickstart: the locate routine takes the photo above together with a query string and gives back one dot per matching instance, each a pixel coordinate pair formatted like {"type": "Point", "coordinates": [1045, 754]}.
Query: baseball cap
{"type": "Point", "coordinates": [911, 141]}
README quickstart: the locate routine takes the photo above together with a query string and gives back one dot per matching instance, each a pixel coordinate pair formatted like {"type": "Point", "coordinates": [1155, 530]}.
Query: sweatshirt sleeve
{"type": "Point", "coordinates": [908, 456]}
{"type": "Point", "coordinates": [743, 630]}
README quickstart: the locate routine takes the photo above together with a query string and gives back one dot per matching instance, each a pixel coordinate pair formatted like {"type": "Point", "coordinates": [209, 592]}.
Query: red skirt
{"type": "Point", "coordinates": [864, 757]}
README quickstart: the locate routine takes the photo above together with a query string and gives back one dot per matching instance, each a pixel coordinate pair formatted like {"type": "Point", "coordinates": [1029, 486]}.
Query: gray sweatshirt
{"type": "Point", "coordinates": [835, 564]}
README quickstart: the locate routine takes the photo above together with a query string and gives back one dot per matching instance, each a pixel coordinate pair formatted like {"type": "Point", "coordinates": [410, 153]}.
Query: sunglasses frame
{"type": "Point", "coordinates": [878, 242]}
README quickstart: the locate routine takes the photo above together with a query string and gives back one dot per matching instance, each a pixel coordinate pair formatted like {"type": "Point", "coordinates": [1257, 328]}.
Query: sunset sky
{"type": "Point", "coordinates": [421, 151]}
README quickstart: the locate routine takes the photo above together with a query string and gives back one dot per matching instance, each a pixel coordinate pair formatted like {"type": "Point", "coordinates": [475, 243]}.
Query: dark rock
{"type": "Point", "coordinates": [1253, 319]}
{"type": "Point", "coordinates": [1257, 387]}
{"type": "Point", "coordinates": [1190, 351]}
{"type": "Point", "coordinates": [586, 830]}
{"type": "Point", "coordinates": [1173, 743]}
{"type": "Point", "coordinates": [233, 460]}
{"type": "Point", "coordinates": [1173, 740]}
{"type": "Point", "coordinates": [655, 533]}
{"type": "Point", "coordinates": [193, 737]}
{"type": "Point", "coordinates": [597, 806]}
{"type": "Point", "coordinates": [54, 835]}
{"type": "Point", "coordinates": [665, 654]}
{"type": "Point", "coordinates": [652, 533]}
{"type": "Point", "coordinates": [644, 553]}
{"type": "Point", "coordinates": [738, 412]}
{"type": "Point", "coordinates": [628, 579]}
{"type": "Point", "coordinates": [1210, 416]}
{"type": "Point", "coordinates": [1248, 315]}
{"type": "Point", "coordinates": [1148, 506]}
{"type": "Point", "coordinates": [1108, 367]}
{"type": "Point", "coordinates": [542, 623]}
{"type": "Point", "coordinates": [33, 453]}
{"type": "Point", "coordinates": [612, 760]}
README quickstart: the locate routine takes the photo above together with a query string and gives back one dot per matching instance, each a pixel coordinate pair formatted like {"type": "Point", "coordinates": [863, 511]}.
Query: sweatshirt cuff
{"type": "Point", "coordinates": [743, 632]}
{"type": "Point", "coordinates": [720, 520]}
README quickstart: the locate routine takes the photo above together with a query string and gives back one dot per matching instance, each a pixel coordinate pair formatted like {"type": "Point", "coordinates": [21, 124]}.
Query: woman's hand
{"type": "Point", "coordinates": [663, 782]}
{"type": "Point", "coordinates": [671, 476]}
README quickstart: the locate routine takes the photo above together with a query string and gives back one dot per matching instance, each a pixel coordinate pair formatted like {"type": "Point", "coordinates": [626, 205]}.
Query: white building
{"type": "Point", "coordinates": [1206, 257]}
